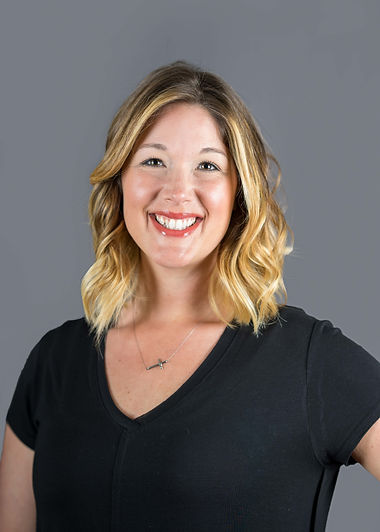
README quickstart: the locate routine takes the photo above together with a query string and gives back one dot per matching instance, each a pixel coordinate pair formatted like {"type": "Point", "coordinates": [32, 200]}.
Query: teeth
{"type": "Point", "coordinates": [171, 223]}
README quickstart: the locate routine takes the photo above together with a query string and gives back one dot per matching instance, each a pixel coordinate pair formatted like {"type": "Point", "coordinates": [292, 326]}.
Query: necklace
{"type": "Point", "coordinates": [160, 363]}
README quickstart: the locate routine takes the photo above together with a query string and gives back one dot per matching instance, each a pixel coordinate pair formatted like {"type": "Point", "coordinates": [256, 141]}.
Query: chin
{"type": "Point", "coordinates": [174, 263]}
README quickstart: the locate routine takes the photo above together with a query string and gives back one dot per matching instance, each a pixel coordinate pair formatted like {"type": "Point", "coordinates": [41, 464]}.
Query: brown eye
{"type": "Point", "coordinates": [210, 164]}
{"type": "Point", "coordinates": [148, 161]}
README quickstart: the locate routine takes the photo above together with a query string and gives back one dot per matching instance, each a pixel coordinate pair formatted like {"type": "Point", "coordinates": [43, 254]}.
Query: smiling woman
{"type": "Point", "coordinates": [185, 144]}
{"type": "Point", "coordinates": [187, 398]}
{"type": "Point", "coordinates": [178, 211]}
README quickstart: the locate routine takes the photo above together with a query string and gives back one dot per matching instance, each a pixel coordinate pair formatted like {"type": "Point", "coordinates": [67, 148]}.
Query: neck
{"type": "Point", "coordinates": [175, 295]}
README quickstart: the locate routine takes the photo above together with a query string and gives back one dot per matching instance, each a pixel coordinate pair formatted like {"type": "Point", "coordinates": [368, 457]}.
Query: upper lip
{"type": "Point", "coordinates": [177, 215]}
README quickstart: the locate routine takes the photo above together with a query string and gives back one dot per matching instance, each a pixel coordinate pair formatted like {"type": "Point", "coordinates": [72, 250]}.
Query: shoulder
{"type": "Point", "coordinates": [65, 331]}
{"type": "Point", "coordinates": [321, 333]}
{"type": "Point", "coordinates": [301, 322]}
{"type": "Point", "coordinates": [60, 342]}
{"type": "Point", "coordinates": [287, 335]}
{"type": "Point", "coordinates": [297, 329]}
{"type": "Point", "coordinates": [296, 316]}
{"type": "Point", "coordinates": [293, 324]}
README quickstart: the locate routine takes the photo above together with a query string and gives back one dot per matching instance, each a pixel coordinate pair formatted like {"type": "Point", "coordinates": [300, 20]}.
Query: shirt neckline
{"type": "Point", "coordinates": [222, 345]}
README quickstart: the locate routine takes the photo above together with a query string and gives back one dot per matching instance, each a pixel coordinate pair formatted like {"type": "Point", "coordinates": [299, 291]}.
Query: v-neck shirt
{"type": "Point", "coordinates": [219, 349]}
{"type": "Point", "coordinates": [252, 440]}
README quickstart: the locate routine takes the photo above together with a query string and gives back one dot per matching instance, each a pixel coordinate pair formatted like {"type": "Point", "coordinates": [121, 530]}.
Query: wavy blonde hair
{"type": "Point", "coordinates": [248, 271]}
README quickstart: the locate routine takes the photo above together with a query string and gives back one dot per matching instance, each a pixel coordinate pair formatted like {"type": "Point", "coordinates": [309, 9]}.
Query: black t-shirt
{"type": "Point", "coordinates": [253, 440]}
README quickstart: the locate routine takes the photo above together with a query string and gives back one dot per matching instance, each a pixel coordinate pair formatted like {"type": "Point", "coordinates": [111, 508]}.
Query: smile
{"type": "Point", "coordinates": [178, 226]}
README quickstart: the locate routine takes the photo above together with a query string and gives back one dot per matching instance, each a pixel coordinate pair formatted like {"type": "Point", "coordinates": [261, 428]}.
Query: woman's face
{"type": "Point", "coordinates": [179, 188]}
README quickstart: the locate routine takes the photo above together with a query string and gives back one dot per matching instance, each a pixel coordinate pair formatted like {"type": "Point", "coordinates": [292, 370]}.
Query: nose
{"type": "Point", "coordinates": [178, 187]}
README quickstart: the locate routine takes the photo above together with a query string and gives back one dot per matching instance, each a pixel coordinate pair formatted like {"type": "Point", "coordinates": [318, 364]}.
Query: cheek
{"type": "Point", "coordinates": [137, 194]}
{"type": "Point", "coordinates": [133, 200]}
{"type": "Point", "coordinates": [220, 198]}
{"type": "Point", "coordinates": [134, 192]}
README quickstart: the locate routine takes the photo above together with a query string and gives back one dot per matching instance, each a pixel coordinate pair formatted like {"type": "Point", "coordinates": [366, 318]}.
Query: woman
{"type": "Point", "coordinates": [187, 398]}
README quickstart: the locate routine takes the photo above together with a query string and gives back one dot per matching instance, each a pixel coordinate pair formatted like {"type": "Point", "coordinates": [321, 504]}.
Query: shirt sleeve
{"type": "Point", "coordinates": [343, 393]}
{"type": "Point", "coordinates": [22, 412]}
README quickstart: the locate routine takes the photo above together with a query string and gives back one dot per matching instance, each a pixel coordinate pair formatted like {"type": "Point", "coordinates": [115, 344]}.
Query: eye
{"type": "Point", "coordinates": [210, 163]}
{"type": "Point", "coordinates": [147, 162]}
{"type": "Point", "coordinates": [150, 162]}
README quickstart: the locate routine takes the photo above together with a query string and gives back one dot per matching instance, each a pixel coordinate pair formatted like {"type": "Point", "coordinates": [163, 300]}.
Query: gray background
{"type": "Point", "coordinates": [309, 72]}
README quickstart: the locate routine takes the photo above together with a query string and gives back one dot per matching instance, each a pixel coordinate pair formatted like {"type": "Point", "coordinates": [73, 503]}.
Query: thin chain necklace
{"type": "Point", "coordinates": [160, 363]}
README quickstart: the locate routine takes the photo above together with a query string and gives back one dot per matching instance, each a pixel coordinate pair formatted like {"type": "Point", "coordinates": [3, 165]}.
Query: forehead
{"type": "Point", "coordinates": [180, 121]}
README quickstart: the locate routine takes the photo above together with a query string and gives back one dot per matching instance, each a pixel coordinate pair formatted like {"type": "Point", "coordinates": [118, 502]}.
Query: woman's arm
{"type": "Point", "coordinates": [367, 452]}
{"type": "Point", "coordinates": [17, 504]}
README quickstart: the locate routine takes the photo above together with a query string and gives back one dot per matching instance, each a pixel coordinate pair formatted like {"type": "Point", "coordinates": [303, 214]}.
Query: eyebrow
{"type": "Point", "coordinates": [164, 148]}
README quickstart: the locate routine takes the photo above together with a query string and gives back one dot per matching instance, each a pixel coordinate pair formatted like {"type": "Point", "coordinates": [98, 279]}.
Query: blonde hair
{"type": "Point", "coordinates": [248, 271]}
